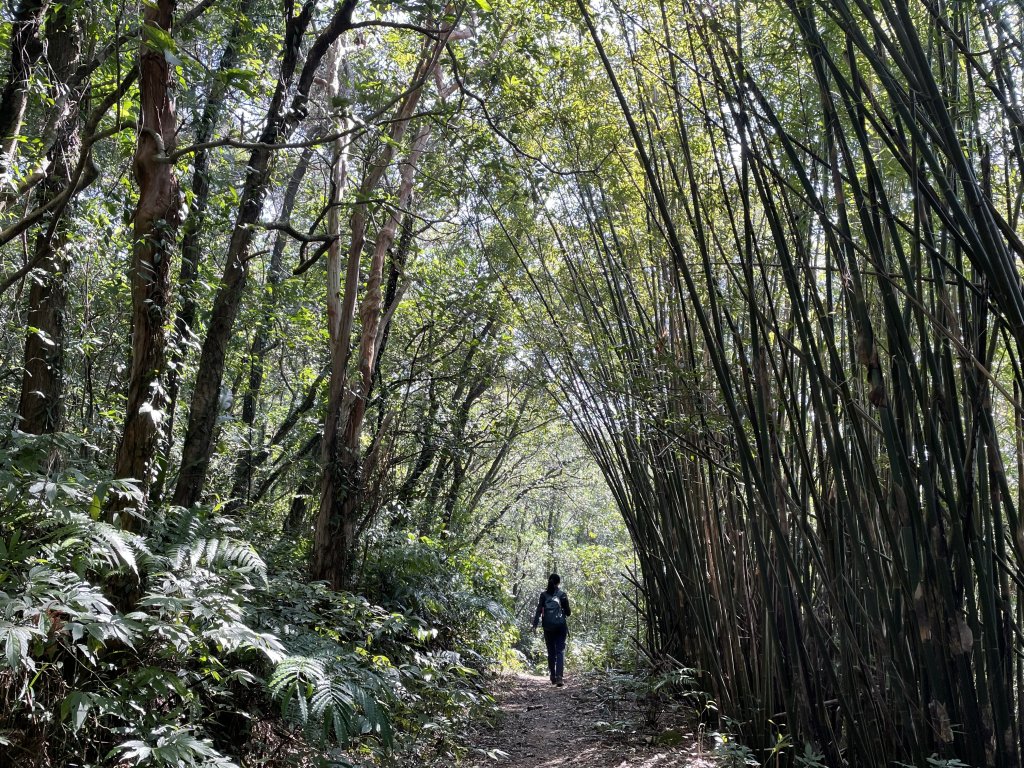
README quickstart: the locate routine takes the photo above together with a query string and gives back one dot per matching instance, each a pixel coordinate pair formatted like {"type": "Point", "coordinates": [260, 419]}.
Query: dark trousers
{"type": "Point", "coordinates": [554, 638]}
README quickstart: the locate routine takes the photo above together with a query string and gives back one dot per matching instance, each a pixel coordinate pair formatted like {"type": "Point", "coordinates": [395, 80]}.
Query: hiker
{"type": "Point", "coordinates": [552, 610]}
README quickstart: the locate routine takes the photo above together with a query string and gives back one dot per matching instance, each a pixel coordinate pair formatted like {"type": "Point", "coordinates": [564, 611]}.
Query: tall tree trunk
{"type": "Point", "coordinates": [338, 312]}
{"type": "Point", "coordinates": [40, 408]}
{"type": "Point", "coordinates": [26, 48]}
{"type": "Point", "coordinates": [337, 521]}
{"type": "Point", "coordinates": [247, 460]}
{"type": "Point", "coordinates": [193, 229]}
{"type": "Point", "coordinates": [155, 226]}
{"type": "Point", "coordinates": [199, 436]}
{"type": "Point", "coordinates": [341, 485]}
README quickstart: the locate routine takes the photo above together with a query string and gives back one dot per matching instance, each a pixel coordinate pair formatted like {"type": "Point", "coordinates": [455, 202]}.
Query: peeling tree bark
{"type": "Point", "coordinates": [341, 484]}
{"type": "Point", "coordinates": [344, 466]}
{"type": "Point", "coordinates": [155, 225]}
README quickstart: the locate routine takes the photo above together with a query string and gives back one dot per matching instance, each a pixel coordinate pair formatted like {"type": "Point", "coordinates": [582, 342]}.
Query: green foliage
{"type": "Point", "coordinates": [179, 678]}
{"type": "Point", "coordinates": [730, 753]}
{"type": "Point", "coordinates": [449, 603]}
{"type": "Point", "coordinates": [569, 524]}
{"type": "Point", "coordinates": [810, 758]}
{"type": "Point", "coordinates": [71, 651]}
{"type": "Point", "coordinates": [325, 694]}
{"type": "Point", "coordinates": [938, 762]}
{"type": "Point", "coordinates": [169, 747]}
{"type": "Point", "coordinates": [175, 646]}
{"type": "Point", "coordinates": [657, 691]}
{"type": "Point", "coordinates": [457, 596]}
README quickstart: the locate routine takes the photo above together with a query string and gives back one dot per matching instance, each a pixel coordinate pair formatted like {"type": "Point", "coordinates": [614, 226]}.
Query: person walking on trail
{"type": "Point", "coordinates": [552, 611]}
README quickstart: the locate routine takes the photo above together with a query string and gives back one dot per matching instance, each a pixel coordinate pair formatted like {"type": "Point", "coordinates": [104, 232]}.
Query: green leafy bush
{"type": "Point", "coordinates": [453, 602]}
{"type": "Point", "coordinates": [176, 677]}
{"type": "Point", "coordinates": [457, 596]}
{"type": "Point", "coordinates": [175, 647]}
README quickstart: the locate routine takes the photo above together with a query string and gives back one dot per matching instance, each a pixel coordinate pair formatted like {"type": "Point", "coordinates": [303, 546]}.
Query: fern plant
{"type": "Point", "coordinates": [334, 697]}
{"type": "Point", "coordinates": [94, 682]}
{"type": "Point", "coordinates": [216, 640]}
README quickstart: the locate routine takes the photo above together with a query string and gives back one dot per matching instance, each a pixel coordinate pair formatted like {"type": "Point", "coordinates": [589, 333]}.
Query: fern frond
{"type": "Point", "coordinates": [236, 636]}
{"type": "Point", "coordinates": [114, 546]}
{"type": "Point", "coordinates": [100, 544]}
{"type": "Point", "coordinates": [223, 552]}
{"type": "Point", "coordinates": [336, 697]}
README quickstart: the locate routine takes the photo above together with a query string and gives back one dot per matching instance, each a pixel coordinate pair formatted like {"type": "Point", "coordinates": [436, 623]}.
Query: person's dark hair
{"type": "Point", "coordinates": [553, 581]}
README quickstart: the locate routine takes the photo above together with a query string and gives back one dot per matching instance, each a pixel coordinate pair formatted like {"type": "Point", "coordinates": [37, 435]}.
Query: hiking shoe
{"type": "Point", "coordinates": [558, 682]}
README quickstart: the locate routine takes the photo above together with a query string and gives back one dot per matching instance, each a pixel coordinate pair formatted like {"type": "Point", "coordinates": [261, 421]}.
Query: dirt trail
{"type": "Point", "coordinates": [543, 726]}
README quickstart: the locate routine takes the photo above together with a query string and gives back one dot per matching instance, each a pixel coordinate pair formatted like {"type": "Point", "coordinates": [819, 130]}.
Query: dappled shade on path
{"type": "Point", "coordinates": [543, 726]}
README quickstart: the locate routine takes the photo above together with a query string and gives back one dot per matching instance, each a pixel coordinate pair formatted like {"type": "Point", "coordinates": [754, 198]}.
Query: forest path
{"type": "Point", "coordinates": [543, 726]}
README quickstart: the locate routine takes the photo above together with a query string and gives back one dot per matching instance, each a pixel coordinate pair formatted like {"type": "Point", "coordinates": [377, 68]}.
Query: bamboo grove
{"type": "Point", "coordinates": [797, 356]}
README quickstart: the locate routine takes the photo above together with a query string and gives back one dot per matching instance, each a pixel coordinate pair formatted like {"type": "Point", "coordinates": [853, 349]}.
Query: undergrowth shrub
{"type": "Point", "coordinates": [457, 607]}
{"type": "Point", "coordinates": [214, 659]}
{"type": "Point", "coordinates": [460, 595]}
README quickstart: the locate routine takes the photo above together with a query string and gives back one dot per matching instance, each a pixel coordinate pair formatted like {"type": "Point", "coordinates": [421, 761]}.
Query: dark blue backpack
{"type": "Point", "coordinates": [554, 616]}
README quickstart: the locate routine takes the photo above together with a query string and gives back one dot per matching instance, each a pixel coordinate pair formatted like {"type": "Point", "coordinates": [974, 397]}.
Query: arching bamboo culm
{"type": "Point", "coordinates": [801, 371]}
